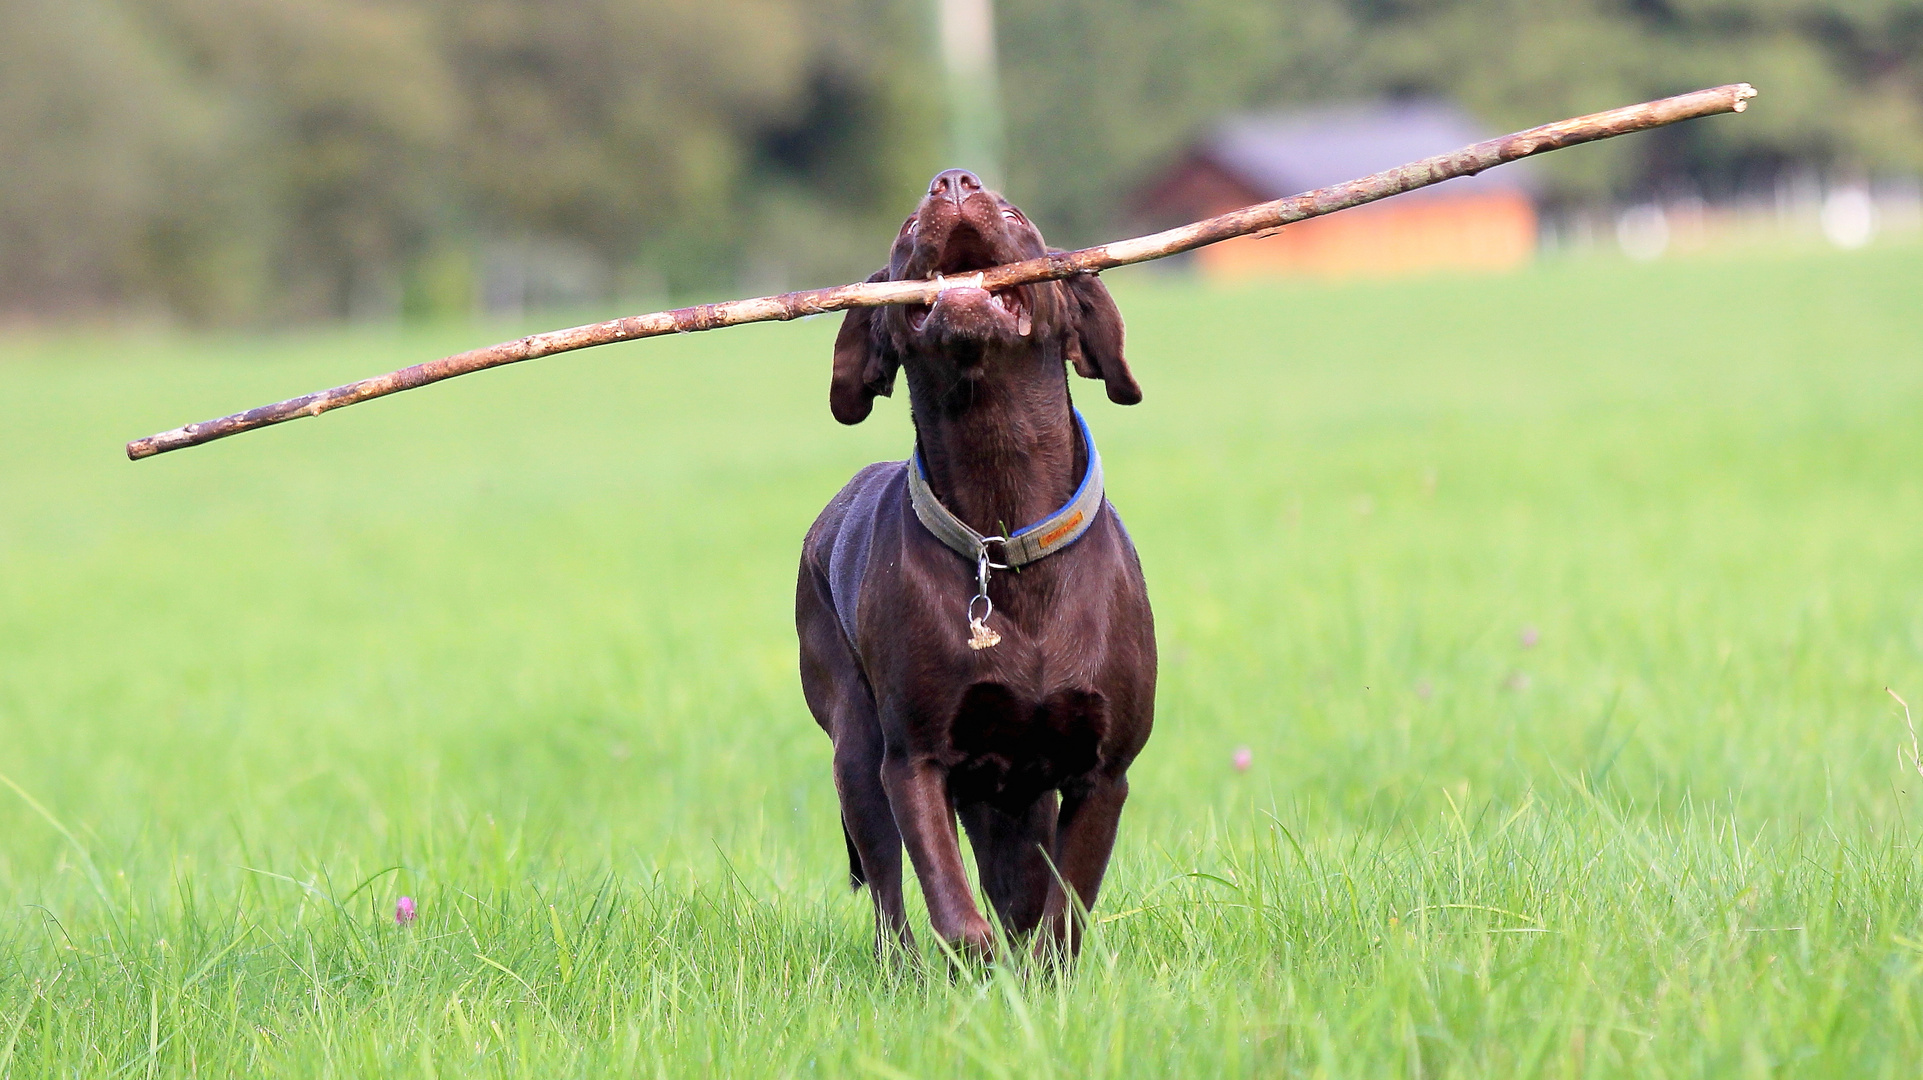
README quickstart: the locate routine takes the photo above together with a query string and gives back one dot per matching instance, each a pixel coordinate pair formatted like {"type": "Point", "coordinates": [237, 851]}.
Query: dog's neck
{"type": "Point", "coordinates": [1001, 451]}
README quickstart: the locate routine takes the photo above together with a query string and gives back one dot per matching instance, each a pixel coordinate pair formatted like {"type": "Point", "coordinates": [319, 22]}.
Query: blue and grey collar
{"type": "Point", "coordinates": [1025, 545]}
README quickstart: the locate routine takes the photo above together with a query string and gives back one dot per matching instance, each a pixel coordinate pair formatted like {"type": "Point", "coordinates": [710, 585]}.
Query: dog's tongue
{"type": "Point", "coordinates": [973, 296]}
{"type": "Point", "coordinates": [966, 296]}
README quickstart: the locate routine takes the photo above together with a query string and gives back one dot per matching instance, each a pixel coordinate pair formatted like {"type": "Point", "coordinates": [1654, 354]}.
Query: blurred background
{"type": "Point", "coordinates": [1524, 634]}
{"type": "Point", "coordinates": [248, 161]}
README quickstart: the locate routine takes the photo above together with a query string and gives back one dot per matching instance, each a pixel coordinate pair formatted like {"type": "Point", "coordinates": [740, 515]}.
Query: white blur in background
{"type": "Point", "coordinates": [1848, 213]}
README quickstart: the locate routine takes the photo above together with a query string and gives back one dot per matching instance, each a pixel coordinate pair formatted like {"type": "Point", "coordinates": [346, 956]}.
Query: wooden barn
{"type": "Point", "coordinates": [1486, 221]}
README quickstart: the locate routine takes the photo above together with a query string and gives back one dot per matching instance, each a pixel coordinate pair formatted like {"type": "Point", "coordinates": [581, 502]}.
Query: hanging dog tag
{"type": "Point", "coordinates": [979, 635]}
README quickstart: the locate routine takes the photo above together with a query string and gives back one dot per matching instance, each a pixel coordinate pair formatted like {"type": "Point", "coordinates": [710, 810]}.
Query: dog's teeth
{"type": "Point", "coordinates": [942, 284]}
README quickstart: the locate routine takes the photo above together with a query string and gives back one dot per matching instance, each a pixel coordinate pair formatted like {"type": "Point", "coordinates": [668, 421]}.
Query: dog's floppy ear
{"type": "Point", "coordinates": [865, 365]}
{"type": "Point", "coordinates": [1095, 338]}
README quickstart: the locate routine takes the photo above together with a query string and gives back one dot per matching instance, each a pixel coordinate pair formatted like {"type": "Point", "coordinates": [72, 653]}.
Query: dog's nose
{"type": "Point", "coordinates": [954, 185]}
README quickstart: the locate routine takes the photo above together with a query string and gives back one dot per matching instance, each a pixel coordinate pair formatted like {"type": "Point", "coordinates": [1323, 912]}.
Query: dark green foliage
{"type": "Point", "coordinates": [260, 159]}
{"type": "Point", "coordinates": [1101, 93]}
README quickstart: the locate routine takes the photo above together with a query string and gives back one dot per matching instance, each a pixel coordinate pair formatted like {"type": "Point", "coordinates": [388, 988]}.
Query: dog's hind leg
{"type": "Point", "coordinates": [1011, 854]}
{"type": "Point", "coordinates": [840, 700]}
{"type": "Point", "coordinates": [855, 877]}
{"type": "Point", "coordinates": [869, 828]}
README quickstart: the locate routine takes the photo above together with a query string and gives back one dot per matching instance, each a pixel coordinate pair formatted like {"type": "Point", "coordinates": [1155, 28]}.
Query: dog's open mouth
{"type": "Point", "coordinates": [963, 257]}
{"type": "Point", "coordinates": [1008, 302]}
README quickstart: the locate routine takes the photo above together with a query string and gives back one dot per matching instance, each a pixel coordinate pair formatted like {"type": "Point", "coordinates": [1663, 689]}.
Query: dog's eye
{"type": "Point", "coordinates": [1013, 215]}
{"type": "Point", "coordinates": [907, 226]}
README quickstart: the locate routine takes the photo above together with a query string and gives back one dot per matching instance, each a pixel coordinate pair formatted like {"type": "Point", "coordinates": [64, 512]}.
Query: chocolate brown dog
{"type": "Point", "coordinates": [961, 662]}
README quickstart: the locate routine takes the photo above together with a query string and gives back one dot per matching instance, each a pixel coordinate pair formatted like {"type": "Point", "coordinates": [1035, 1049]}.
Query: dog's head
{"type": "Point", "coordinates": [969, 333]}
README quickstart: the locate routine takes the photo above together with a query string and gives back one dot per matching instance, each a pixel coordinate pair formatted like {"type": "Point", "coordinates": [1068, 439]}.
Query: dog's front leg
{"type": "Point", "coordinates": [918, 794]}
{"type": "Point", "coordinates": [1084, 838]}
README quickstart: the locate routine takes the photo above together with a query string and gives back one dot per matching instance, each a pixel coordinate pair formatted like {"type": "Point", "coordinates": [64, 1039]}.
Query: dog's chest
{"type": "Point", "coordinates": [1009, 747]}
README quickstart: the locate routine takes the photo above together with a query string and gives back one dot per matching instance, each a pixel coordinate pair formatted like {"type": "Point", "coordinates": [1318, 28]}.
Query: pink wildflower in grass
{"type": "Point", "coordinates": [1243, 758]}
{"type": "Point", "coordinates": [404, 911]}
{"type": "Point", "coordinates": [1530, 637]}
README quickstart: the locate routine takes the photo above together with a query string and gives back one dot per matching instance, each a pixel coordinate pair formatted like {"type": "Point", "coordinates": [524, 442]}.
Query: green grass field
{"type": "Point", "coordinates": [521, 647]}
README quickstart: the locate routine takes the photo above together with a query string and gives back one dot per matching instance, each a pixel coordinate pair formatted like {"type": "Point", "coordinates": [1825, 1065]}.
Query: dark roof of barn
{"type": "Point", "coordinates": [1283, 153]}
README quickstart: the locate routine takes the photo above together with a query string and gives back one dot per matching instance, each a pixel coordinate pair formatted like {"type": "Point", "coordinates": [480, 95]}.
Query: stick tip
{"type": "Point", "coordinates": [1744, 92]}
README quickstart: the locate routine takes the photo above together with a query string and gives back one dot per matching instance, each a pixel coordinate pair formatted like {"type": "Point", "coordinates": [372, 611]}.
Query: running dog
{"type": "Point", "coordinates": [975, 632]}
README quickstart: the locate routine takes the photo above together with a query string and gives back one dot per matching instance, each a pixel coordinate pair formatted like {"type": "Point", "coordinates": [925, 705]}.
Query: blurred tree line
{"type": "Point", "coordinates": [247, 160]}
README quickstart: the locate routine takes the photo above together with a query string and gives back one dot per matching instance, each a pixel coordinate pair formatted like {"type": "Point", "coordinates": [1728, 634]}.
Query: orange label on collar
{"type": "Point", "coordinates": [1063, 529]}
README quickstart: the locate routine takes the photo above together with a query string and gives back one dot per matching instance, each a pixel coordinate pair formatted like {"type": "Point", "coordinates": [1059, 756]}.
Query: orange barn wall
{"type": "Point", "coordinates": [1492, 231]}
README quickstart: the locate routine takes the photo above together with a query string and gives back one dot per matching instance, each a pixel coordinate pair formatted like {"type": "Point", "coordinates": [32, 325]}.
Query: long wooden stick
{"type": "Point", "coordinates": [1252, 219]}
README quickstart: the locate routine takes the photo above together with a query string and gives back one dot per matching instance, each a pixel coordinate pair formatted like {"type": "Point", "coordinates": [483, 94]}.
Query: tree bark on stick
{"type": "Point", "coordinates": [1257, 220]}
